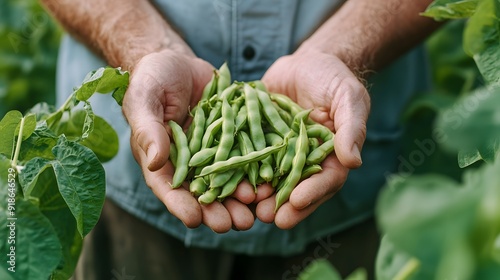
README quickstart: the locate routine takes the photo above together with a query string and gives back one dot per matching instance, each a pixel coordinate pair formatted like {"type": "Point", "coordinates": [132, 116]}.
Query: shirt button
{"type": "Point", "coordinates": [248, 52]}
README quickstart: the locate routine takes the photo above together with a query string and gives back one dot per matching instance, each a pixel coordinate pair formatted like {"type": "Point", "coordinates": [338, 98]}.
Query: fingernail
{"type": "Point", "coordinates": [151, 153]}
{"type": "Point", "coordinates": [355, 152]}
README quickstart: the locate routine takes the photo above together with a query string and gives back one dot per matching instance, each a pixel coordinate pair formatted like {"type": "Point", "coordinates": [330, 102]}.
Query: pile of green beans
{"type": "Point", "coordinates": [241, 131]}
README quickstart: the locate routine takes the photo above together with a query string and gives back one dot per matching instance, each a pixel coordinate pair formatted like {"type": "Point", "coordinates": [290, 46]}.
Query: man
{"type": "Point", "coordinates": [314, 51]}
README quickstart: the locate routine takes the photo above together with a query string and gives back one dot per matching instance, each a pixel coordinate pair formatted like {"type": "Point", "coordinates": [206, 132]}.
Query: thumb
{"type": "Point", "coordinates": [145, 117]}
{"type": "Point", "coordinates": [350, 125]}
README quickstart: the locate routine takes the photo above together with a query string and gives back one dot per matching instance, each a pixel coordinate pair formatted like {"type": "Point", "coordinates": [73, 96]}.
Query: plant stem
{"type": "Point", "coordinates": [18, 144]}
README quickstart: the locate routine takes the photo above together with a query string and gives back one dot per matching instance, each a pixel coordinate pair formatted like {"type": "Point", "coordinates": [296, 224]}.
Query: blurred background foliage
{"type": "Point", "coordinates": [29, 40]}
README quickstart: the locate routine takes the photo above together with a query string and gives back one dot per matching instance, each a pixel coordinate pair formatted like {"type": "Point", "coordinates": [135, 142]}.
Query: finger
{"type": "Point", "coordinates": [265, 209]}
{"type": "Point", "coordinates": [145, 117]}
{"type": "Point", "coordinates": [216, 217]}
{"type": "Point", "coordinates": [179, 202]}
{"type": "Point", "coordinates": [244, 192]}
{"type": "Point", "coordinates": [241, 216]}
{"type": "Point", "coordinates": [263, 191]}
{"type": "Point", "coordinates": [350, 113]}
{"type": "Point", "coordinates": [325, 183]}
{"type": "Point", "coordinates": [288, 216]}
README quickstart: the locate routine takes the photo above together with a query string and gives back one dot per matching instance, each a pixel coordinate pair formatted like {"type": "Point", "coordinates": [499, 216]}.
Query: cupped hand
{"type": "Point", "coordinates": [341, 102]}
{"type": "Point", "coordinates": [163, 86]}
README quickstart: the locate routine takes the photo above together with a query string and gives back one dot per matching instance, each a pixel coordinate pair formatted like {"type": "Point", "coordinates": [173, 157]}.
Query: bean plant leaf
{"type": "Point", "coordinates": [81, 181]}
{"type": "Point", "coordinates": [39, 144]}
{"type": "Point", "coordinates": [319, 269]}
{"type": "Point", "coordinates": [31, 225]}
{"type": "Point", "coordinates": [101, 138]}
{"type": "Point", "coordinates": [41, 110]}
{"type": "Point", "coordinates": [487, 154]}
{"type": "Point", "coordinates": [53, 206]}
{"type": "Point", "coordinates": [8, 127]}
{"type": "Point", "coordinates": [432, 205]}
{"type": "Point", "coordinates": [481, 38]}
{"type": "Point", "coordinates": [473, 123]}
{"type": "Point", "coordinates": [104, 80]}
{"type": "Point", "coordinates": [88, 124]}
{"type": "Point", "coordinates": [33, 237]}
{"type": "Point", "coordinates": [451, 9]}
{"type": "Point", "coordinates": [28, 178]}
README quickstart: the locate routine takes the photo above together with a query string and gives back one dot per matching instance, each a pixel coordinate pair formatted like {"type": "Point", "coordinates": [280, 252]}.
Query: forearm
{"type": "Point", "coordinates": [120, 31]}
{"type": "Point", "coordinates": [368, 34]}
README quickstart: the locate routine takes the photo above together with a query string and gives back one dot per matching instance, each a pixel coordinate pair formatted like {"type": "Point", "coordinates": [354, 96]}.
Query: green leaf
{"type": "Point", "coordinates": [358, 274]}
{"type": "Point", "coordinates": [34, 236]}
{"type": "Point", "coordinates": [469, 157]}
{"type": "Point", "coordinates": [390, 261]}
{"type": "Point", "coordinates": [81, 181]}
{"type": "Point", "coordinates": [101, 137]}
{"type": "Point", "coordinates": [56, 210]}
{"type": "Point", "coordinates": [104, 80]}
{"type": "Point", "coordinates": [481, 38]}
{"type": "Point", "coordinates": [319, 269]}
{"type": "Point", "coordinates": [450, 9]}
{"type": "Point", "coordinates": [8, 127]}
{"type": "Point", "coordinates": [39, 144]}
{"type": "Point", "coordinates": [422, 215]}
{"type": "Point", "coordinates": [28, 177]}
{"type": "Point", "coordinates": [473, 123]}
{"type": "Point", "coordinates": [41, 110]}
{"type": "Point", "coordinates": [88, 124]}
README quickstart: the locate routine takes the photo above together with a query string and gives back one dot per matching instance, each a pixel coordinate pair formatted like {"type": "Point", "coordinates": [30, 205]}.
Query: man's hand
{"type": "Point", "coordinates": [340, 101]}
{"type": "Point", "coordinates": [163, 86]}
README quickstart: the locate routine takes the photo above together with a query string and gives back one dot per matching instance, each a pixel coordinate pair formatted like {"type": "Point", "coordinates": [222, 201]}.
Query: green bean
{"type": "Point", "coordinates": [183, 154]}
{"type": "Point", "coordinates": [287, 117]}
{"type": "Point", "coordinates": [211, 87]}
{"type": "Point", "coordinates": [239, 161]}
{"type": "Point", "coordinates": [266, 171]}
{"type": "Point", "coordinates": [228, 92]}
{"type": "Point", "coordinates": [210, 132]}
{"type": "Point", "coordinates": [271, 114]}
{"type": "Point", "coordinates": [219, 179]}
{"type": "Point", "coordinates": [310, 170]}
{"type": "Point", "coordinates": [173, 154]}
{"type": "Point", "coordinates": [286, 161]}
{"type": "Point", "coordinates": [279, 155]}
{"type": "Point", "coordinates": [198, 125]}
{"type": "Point", "coordinates": [299, 160]}
{"type": "Point", "coordinates": [319, 154]}
{"type": "Point", "coordinates": [273, 139]}
{"type": "Point", "coordinates": [313, 143]}
{"type": "Point", "coordinates": [241, 118]}
{"type": "Point", "coordinates": [209, 196]}
{"type": "Point", "coordinates": [227, 137]}
{"type": "Point", "coordinates": [203, 157]}
{"type": "Point", "coordinates": [246, 147]}
{"type": "Point", "coordinates": [214, 114]}
{"type": "Point", "coordinates": [319, 131]}
{"type": "Point", "coordinates": [258, 84]}
{"type": "Point", "coordinates": [224, 78]}
{"type": "Point", "coordinates": [254, 118]}
{"type": "Point", "coordinates": [198, 186]}
{"type": "Point", "coordinates": [230, 186]}
{"type": "Point", "coordinates": [301, 116]}
{"type": "Point", "coordinates": [286, 103]}
{"type": "Point", "coordinates": [237, 103]}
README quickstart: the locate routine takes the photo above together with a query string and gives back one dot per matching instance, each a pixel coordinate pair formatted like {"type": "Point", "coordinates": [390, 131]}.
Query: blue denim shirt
{"type": "Point", "coordinates": [250, 36]}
